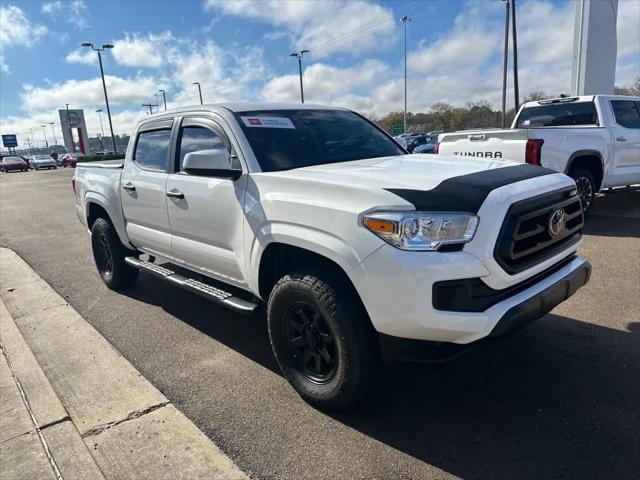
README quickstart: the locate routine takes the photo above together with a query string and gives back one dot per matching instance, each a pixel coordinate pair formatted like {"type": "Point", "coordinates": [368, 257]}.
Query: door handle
{"type": "Point", "coordinates": [621, 139]}
{"type": "Point", "coordinates": [129, 186]}
{"type": "Point", "coordinates": [175, 193]}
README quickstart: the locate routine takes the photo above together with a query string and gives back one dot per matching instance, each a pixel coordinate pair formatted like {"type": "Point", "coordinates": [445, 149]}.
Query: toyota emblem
{"type": "Point", "coordinates": [557, 222]}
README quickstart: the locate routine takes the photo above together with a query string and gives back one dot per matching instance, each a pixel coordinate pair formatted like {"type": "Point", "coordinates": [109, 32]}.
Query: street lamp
{"type": "Point", "coordinates": [199, 91]}
{"type": "Point", "coordinates": [99, 112]}
{"type": "Point", "coordinates": [299, 56]}
{"type": "Point", "coordinates": [55, 140]}
{"type": "Point", "coordinates": [104, 85]}
{"type": "Point", "coordinates": [44, 130]}
{"type": "Point", "coordinates": [164, 99]}
{"type": "Point", "coordinates": [405, 20]}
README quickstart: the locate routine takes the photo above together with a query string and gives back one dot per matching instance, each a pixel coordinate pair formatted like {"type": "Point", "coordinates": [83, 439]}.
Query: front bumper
{"type": "Point", "coordinates": [396, 288]}
{"type": "Point", "coordinates": [515, 318]}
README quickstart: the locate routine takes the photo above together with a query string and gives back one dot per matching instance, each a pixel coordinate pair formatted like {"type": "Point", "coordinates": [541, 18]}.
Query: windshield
{"type": "Point", "coordinates": [42, 157]}
{"type": "Point", "coordinates": [285, 139]}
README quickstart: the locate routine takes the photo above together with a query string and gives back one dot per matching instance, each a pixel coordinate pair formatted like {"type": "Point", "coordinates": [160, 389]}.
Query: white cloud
{"type": "Point", "coordinates": [82, 55]}
{"type": "Point", "coordinates": [141, 51]}
{"type": "Point", "coordinates": [17, 29]}
{"type": "Point", "coordinates": [52, 7]}
{"type": "Point", "coordinates": [459, 50]}
{"type": "Point", "coordinates": [629, 28]}
{"type": "Point", "coordinates": [325, 27]}
{"type": "Point", "coordinates": [328, 84]}
{"type": "Point", "coordinates": [74, 12]}
{"type": "Point", "coordinates": [80, 93]}
{"type": "Point", "coordinates": [225, 74]}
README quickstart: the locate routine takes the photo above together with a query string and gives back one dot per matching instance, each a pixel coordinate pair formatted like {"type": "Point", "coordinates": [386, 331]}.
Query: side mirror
{"type": "Point", "coordinates": [210, 163]}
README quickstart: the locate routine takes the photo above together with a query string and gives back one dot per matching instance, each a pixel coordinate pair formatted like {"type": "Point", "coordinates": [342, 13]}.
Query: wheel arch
{"type": "Point", "coordinates": [279, 258]}
{"type": "Point", "coordinates": [97, 207]}
{"type": "Point", "coordinates": [590, 160]}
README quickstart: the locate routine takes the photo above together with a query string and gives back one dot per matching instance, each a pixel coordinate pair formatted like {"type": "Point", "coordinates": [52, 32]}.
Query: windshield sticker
{"type": "Point", "coordinates": [267, 122]}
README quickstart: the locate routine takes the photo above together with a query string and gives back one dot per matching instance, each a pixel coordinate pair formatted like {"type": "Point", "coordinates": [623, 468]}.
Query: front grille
{"type": "Point", "coordinates": [525, 239]}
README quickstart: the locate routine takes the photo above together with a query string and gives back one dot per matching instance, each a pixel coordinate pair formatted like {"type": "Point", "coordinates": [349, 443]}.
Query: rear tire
{"type": "Point", "coordinates": [109, 254]}
{"type": "Point", "coordinates": [586, 184]}
{"type": "Point", "coordinates": [322, 339]}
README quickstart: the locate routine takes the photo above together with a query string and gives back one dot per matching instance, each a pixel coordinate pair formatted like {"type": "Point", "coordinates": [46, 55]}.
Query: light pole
{"type": "Point", "coordinates": [504, 66]}
{"type": "Point", "coordinates": [44, 130]}
{"type": "Point", "coordinates": [99, 112]}
{"type": "Point", "coordinates": [515, 56]}
{"type": "Point", "coordinates": [164, 99]}
{"type": "Point", "coordinates": [104, 86]}
{"type": "Point", "coordinates": [53, 132]}
{"type": "Point", "coordinates": [299, 56]}
{"type": "Point", "coordinates": [199, 91]}
{"type": "Point", "coordinates": [405, 20]}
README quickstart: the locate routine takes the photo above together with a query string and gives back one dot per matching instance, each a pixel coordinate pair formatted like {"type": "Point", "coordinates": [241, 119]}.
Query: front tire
{"type": "Point", "coordinates": [586, 184]}
{"type": "Point", "coordinates": [109, 254]}
{"type": "Point", "coordinates": [322, 339]}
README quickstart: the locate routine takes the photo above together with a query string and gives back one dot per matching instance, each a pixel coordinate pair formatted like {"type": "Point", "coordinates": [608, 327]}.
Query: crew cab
{"type": "Point", "coordinates": [354, 247]}
{"type": "Point", "coordinates": [593, 139]}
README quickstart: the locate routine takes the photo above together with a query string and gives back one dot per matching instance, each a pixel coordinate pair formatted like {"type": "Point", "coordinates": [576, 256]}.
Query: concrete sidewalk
{"type": "Point", "coordinates": [72, 407]}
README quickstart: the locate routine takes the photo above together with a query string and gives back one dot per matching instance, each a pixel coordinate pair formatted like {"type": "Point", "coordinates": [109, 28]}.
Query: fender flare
{"type": "Point", "coordinates": [117, 219]}
{"type": "Point", "coordinates": [319, 242]}
{"type": "Point", "coordinates": [584, 153]}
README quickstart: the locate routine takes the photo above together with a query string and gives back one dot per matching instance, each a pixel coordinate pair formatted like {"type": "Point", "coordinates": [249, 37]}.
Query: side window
{"type": "Point", "coordinates": [193, 139]}
{"type": "Point", "coordinates": [626, 113]}
{"type": "Point", "coordinates": [152, 149]}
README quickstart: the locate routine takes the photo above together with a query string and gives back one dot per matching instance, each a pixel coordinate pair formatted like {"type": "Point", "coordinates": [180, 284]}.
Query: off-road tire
{"type": "Point", "coordinates": [355, 353]}
{"type": "Point", "coordinates": [109, 254]}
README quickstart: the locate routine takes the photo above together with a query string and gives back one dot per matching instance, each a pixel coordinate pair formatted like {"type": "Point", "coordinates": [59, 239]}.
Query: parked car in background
{"type": "Point", "coordinates": [404, 137]}
{"type": "Point", "coordinates": [593, 139]}
{"type": "Point", "coordinates": [71, 159]}
{"type": "Point", "coordinates": [12, 164]}
{"type": "Point", "coordinates": [422, 144]}
{"type": "Point", "coordinates": [39, 162]}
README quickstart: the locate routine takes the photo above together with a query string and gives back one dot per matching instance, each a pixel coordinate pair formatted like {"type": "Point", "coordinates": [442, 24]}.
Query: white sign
{"type": "Point", "coordinates": [267, 122]}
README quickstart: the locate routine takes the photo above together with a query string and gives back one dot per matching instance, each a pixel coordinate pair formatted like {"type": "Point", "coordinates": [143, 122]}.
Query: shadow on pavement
{"type": "Point", "coordinates": [557, 400]}
{"type": "Point", "coordinates": [615, 215]}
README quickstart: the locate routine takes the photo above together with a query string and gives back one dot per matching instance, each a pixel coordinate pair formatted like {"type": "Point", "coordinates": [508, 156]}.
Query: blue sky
{"type": "Point", "coordinates": [238, 50]}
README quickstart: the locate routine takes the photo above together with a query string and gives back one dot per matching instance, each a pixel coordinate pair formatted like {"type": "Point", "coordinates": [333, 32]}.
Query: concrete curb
{"type": "Point", "coordinates": [90, 398]}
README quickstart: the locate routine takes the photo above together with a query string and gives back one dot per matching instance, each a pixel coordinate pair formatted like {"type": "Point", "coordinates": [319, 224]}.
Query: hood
{"type": "Point", "coordinates": [416, 171]}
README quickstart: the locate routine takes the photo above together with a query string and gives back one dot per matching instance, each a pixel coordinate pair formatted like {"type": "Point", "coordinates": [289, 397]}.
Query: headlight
{"type": "Point", "coordinates": [424, 231]}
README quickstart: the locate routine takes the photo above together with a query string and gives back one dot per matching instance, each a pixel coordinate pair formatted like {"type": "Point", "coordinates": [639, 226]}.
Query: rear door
{"type": "Point", "coordinates": [206, 213]}
{"type": "Point", "coordinates": [626, 137]}
{"type": "Point", "coordinates": [143, 189]}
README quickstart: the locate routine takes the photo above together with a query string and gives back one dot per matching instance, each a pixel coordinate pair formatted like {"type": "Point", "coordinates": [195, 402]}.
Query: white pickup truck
{"type": "Point", "coordinates": [593, 139]}
{"type": "Point", "coordinates": [355, 247]}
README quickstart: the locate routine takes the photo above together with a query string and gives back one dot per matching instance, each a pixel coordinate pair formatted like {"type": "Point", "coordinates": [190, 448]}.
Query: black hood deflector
{"type": "Point", "coordinates": [467, 193]}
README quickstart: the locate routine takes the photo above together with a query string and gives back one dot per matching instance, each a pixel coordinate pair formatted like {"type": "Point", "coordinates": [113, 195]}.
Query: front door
{"type": "Point", "coordinates": [143, 187]}
{"type": "Point", "coordinates": [205, 213]}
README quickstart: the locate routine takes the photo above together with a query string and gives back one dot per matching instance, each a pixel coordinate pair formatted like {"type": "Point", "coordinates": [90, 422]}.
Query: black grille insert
{"type": "Point", "coordinates": [525, 239]}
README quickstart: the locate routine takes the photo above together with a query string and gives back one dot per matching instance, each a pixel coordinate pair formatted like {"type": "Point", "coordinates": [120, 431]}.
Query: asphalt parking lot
{"type": "Point", "coordinates": [557, 400]}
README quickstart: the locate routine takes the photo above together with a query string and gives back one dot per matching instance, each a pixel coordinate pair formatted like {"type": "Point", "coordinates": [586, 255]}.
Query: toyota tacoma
{"type": "Point", "coordinates": [357, 250]}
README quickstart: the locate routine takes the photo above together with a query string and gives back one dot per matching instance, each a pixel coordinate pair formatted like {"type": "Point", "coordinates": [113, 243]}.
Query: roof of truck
{"type": "Point", "coordinates": [246, 107]}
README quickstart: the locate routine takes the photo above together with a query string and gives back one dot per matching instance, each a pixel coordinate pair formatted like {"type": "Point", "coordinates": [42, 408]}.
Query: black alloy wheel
{"type": "Point", "coordinates": [312, 343]}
